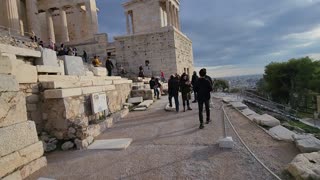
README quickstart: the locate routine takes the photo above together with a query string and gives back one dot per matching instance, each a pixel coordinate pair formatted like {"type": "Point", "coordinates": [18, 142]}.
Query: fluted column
{"type": "Point", "coordinates": [64, 25]}
{"type": "Point", "coordinates": [175, 17]}
{"type": "Point", "coordinates": [178, 18]}
{"type": "Point", "coordinates": [50, 26]}
{"type": "Point", "coordinates": [12, 14]}
{"type": "Point", "coordinates": [127, 21]}
{"type": "Point", "coordinates": [168, 12]}
{"type": "Point", "coordinates": [92, 18]}
{"type": "Point", "coordinates": [31, 17]}
{"type": "Point", "coordinates": [172, 14]}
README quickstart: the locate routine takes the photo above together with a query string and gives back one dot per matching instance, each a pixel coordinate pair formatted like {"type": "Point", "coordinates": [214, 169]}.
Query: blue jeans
{"type": "Point", "coordinates": [156, 92]}
{"type": "Point", "coordinates": [176, 101]}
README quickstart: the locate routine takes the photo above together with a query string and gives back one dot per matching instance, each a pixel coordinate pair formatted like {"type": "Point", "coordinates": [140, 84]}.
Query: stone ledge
{"type": "Point", "coordinates": [122, 81]}
{"type": "Point", "coordinates": [46, 78]}
{"type": "Point", "coordinates": [60, 84]}
{"type": "Point", "coordinates": [48, 69]}
{"type": "Point", "coordinates": [62, 93]}
{"type": "Point", "coordinates": [90, 90]}
{"type": "Point", "coordinates": [19, 51]}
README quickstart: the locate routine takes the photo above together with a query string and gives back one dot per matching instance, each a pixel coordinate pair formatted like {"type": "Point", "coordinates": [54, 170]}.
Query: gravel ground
{"type": "Point", "coordinates": [168, 145]}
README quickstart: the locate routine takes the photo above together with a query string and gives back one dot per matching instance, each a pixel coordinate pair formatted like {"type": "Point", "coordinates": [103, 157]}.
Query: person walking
{"type": "Point", "coordinates": [109, 66]}
{"type": "Point", "coordinates": [163, 79]}
{"type": "Point", "coordinates": [154, 87]}
{"type": "Point", "coordinates": [193, 82]}
{"type": "Point", "coordinates": [173, 90]}
{"type": "Point", "coordinates": [203, 87]}
{"type": "Point", "coordinates": [85, 56]}
{"type": "Point", "coordinates": [185, 88]}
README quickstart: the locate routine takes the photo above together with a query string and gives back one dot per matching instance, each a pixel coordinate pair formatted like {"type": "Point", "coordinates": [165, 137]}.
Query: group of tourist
{"type": "Point", "coordinates": [201, 87]}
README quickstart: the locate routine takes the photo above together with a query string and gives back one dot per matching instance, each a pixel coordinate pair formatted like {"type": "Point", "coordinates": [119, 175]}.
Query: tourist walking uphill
{"type": "Point", "coordinates": [185, 88]}
{"type": "Point", "coordinates": [109, 66]}
{"type": "Point", "coordinates": [193, 82]}
{"type": "Point", "coordinates": [173, 90]}
{"type": "Point", "coordinates": [203, 87]}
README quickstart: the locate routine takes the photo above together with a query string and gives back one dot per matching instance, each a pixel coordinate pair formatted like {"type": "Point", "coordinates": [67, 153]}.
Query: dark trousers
{"type": "Point", "coordinates": [195, 96]}
{"type": "Point", "coordinates": [207, 106]}
{"type": "Point", "coordinates": [185, 101]}
{"type": "Point", "coordinates": [176, 101]}
{"type": "Point", "coordinates": [109, 72]}
{"type": "Point", "coordinates": [156, 92]}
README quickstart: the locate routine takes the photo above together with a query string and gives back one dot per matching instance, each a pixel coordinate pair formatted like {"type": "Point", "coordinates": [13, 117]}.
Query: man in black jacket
{"type": "Point", "coordinates": [109, 66]}
{"type": "Point", "coordinates": [173, 90]}
{"type": "Point", "coordinates": [203, 87]}
{"type": "Point", "coordinates": [193, 82]}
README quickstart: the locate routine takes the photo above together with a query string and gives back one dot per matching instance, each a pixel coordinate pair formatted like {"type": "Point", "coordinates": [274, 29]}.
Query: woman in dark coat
{"type": "Point", "coordinates": [185, 88]}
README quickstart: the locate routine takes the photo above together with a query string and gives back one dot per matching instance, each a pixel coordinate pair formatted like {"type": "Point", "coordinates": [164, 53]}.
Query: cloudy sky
{"type": "Point", "coordinates": [238, 37]}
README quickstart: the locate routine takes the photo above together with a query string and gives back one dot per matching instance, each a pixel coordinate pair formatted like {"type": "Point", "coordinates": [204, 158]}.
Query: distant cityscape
{"type": "Point", "coordinates": [246, 81]}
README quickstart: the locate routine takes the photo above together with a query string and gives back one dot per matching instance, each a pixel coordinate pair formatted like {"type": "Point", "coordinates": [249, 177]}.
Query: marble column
{"type": "Point", "coordinates": [174, 17]}
{"type": "Point", "coordinates": [50, 26]}
{"type": "Point", "coordinates": [92, 18]}
{"type": "Point", "coordinates": [178, 19]}
{"type": "Point", "coordinates": [12, 14]}
{"type": "Point", "coordinates": [168, 12]}
{"type": "Point", "coordinates": [127, 21]}
{"type": "Point", "coordinates": [64, 25]}
{"type": "Point", "coordinates": [31, 17]}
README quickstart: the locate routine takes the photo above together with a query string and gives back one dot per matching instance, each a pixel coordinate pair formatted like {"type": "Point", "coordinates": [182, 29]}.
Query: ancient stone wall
{"type": "Point", "coordinates": [167, 50]}
{"type": "Point", "coordinates": [146, 16]}
{"type": "Point", "coordinates": [184, 53]}
{"type": "Point", "coordinates": [20, 149]}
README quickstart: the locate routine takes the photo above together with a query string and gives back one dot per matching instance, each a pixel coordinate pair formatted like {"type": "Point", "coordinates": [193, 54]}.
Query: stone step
{"type": "Point", "coordinates": [49, 69]}
{"type": "Point", "coordinates": [62, 93]}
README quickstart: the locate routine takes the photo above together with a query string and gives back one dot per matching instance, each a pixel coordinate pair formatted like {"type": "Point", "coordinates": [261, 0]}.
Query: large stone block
{"type": "Point", "coordinates": [146, 94]}
{"type": "Point", "coordinates": [48, 58]}
{"type": "Point", "coordinates": [99, 71]}
{"type": "Point", "coordinates": [266, 120]}
{"type": "Point", "coordinates": [305, 166]}
{"type": "Point", "coordinates": [17, 136]}
{"type": "Point", "coordinates": [73, 65]}
{"type": "Point", "coordinates": [12, 109]}
{"type": "Point", "coordinates": [62, 93]}
{"type": "Point", "coordinates": [33, 166]}
{"type": "Point", "coordinates": [8, 83]}
{"type": "Point", "coordinates": [281, 133]}
{"type": "Point", "coordinates": [14, 160]}
{"type": "Point", "coordinates": [9, 163]}
{"type": "Point", "coordinates": [14, 176]}
{"type": "Point", "coordinates": [25, 73]}
{"type": "Point", "coordinates": [6, 65]}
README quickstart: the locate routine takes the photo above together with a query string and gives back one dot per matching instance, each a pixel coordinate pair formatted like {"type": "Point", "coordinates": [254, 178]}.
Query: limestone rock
{"type": "Point", "coordinates": [8, 83]}
{"type": "Point", "coordinates": [73, 65]}
{"type": "Point", "coordinates": [305, 166]}
{"type": "Point", "coordinates": [147, 94]}
{"type": "Point", "coordinates": [239, 105]}
{"type": "Point", "coordinates": [81, 144]}
{"type": "Point", "coordinates": [266, 120]}
{"type": "Point", "coordinates": [146, 103]}
{"type": "Point", "coordinates": [33, 166]}
{"type": "Point", "coordinates": [140, 109]}
{"type": "Point", "coordinates": [49, 147]}
{"type": "Point", "coordinates": [17, 136]}
{"type": "Point", "coordinates": [99, 71]}
{"type": "Point", "coordinates": [12, 108]}
{"type": "Point", "coordinates": [14, 176]}
{"type": "Point", "coordinates": [248, 112]}
{"type": "Point", "coordinates": [67, 145]}
{"type": "Point", "coordinates": [307, 143]}
{"type": "Point", "coordinates": [281, 133]}
{"type": "Point", "coordinates": [135, 100]}
{"type": "Point", "coordinates": [48, 58]}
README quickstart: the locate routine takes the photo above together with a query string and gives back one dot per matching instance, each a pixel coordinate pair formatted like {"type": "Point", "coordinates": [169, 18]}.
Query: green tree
{"type": "Point", "coordinates": [220, 85]}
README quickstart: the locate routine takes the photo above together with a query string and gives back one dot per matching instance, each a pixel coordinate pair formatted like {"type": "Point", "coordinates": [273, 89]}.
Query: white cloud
{"type": "Point", "coordinates": [256, 23]}
{"type": "Point", "coordinates": [308, 35]}
{"type": "Point", "coordinates": [232, 70]}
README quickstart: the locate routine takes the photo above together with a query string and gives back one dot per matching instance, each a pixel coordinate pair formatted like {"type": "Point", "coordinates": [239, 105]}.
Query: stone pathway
{"type": "Point", "coordinates": [169, 145]}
